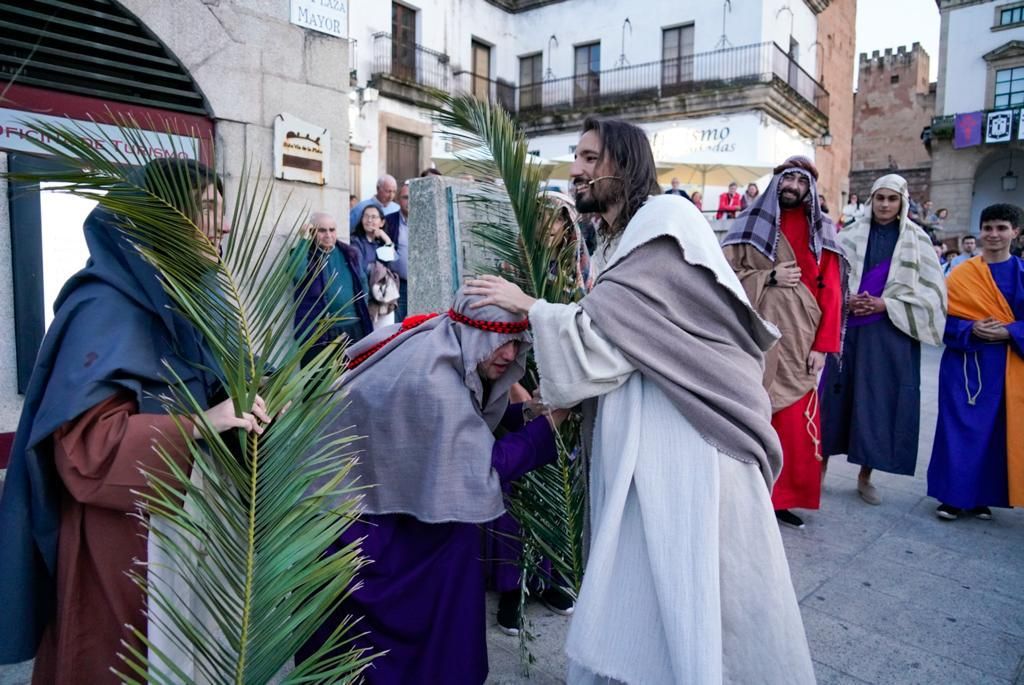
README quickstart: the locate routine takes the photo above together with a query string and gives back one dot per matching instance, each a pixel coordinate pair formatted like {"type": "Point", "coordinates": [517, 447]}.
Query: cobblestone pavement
{"type": "Point", "coordinates": [889, 594]}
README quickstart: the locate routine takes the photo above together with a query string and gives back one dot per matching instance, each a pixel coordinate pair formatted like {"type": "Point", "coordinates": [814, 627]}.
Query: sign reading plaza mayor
{"type": "Point", "coordinates": [325, 16]}
{"type": "Point", "coordinates": [302, 151]}
{"type": "Point", "coordinates": [17, 133]}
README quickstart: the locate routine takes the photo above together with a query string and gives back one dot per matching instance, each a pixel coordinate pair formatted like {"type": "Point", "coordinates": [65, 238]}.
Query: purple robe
{"type": "Point", "coordinates": [968, 466]}
{"type": "Point", "coordinates": [870, 408]}
{"type": "Point", "coordinates": [423, 599]}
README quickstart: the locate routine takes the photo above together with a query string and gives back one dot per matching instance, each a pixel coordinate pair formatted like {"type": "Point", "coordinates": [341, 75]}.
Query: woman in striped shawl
{"type": "Point", "coordinates": [872, 396]}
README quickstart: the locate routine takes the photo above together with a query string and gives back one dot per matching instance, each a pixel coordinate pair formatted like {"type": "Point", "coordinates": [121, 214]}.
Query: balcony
{"type": "Point", "coordinates": [408, 71]}
{"type": "Point", "coordinates": [760, 76]}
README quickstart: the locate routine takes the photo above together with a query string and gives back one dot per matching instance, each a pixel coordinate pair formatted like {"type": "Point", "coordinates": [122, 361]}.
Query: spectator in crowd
{"type": "Point", "coordinates": [916, 213]}
{"type": "Point", "coordinates": [353, 200]}
{"type": "Point", "coordinates": [430, 171]}
{"type": "Point", "coordinates": [968, 249]}
{"type": "Point", "coordinates": [697, 199]}
{"type": "Point", "coordinates": [729, 203]}
{"type": "Point", "coordinates": [383, 198]}
{"type": "Point", "coordinates": [749, 196]}
{"type": "Point", "coordinates": [676, 190]}
{"type": "Point", "coordinates": [852, 210]}
{"type": "Point", "coordinates": [978, 453]}
{"type": "Point", "coordinates": [941, 252]}
{"type": "Point", "coordinates": [822, 204]}
{"type": "Point", "coordinates": [871, 407]}
{"type": "Point", "coordinates": [330, 280]}
{"type": "Point", "coordinates": [396, 225]}
{"type": "Point", "coordinates": [377, 255]}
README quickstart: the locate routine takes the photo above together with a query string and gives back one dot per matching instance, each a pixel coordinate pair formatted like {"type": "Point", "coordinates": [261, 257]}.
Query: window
{"type": "Point", "coordinates": [530, 78]}
{"type": "Point", "coordinates": [403, 160]}
{"type": "Point", "coordinates": [587, 83]}
{"type": "Point", "coordinates": [481, 70]}
{"type": "Point", "coordinates": [1009, 88]}
{"type": "Point", "coordinates": [1013, 15]}
{"type": "Point", "coordinates": [895, 78]}
{"type": "Point", "coordinates": [677, 55]}
{"type": "Point", "coordinates": [403, 42]}
{"type": "Point", "coordinates": [355, 171]}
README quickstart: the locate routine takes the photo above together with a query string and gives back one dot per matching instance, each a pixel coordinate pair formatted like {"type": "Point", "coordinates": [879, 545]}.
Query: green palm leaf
{"type": "Point", "coordinates": [511, 222]}
{"type": "Point", "coordinates": [245, 530]}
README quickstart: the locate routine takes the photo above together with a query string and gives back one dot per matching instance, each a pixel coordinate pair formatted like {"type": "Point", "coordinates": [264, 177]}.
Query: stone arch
{"type": "Point", "coordinates": [988, 175]}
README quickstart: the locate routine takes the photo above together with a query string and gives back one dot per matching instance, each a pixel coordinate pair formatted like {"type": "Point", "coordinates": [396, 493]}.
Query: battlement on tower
{"type": "Point", "coordinates": [902, 58]}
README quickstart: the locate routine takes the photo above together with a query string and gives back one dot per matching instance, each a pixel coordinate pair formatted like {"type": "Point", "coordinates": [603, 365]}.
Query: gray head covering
{"type": "Point", "coordinates": [415, 395]}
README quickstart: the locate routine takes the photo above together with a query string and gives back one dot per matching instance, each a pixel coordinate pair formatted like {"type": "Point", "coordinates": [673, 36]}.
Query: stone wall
{"type": "Point", "coordinates": [894, 102]}
{"type": "Point", "coordinates": [252, 65]}
{"type": "Point", "coordinates": [837, 37]}
{"type": "Point", "coordinates": [918, 180]}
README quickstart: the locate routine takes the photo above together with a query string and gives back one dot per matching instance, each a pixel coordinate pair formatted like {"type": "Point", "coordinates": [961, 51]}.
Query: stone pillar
{"type": "Point", "coordinates": [443, 251]}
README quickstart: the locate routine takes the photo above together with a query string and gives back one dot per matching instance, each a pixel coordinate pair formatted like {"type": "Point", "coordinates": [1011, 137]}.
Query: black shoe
{"type": "Point", "coordinates": [508, 612]}
{"type": "Point", "coordinates": [948, 512]}
{"type": "Point", "coordinates": [558, 600]}
{"type": "Point", "coordinates": [983, 513]}
{"type": "Point", "coordinates": [789, 518]}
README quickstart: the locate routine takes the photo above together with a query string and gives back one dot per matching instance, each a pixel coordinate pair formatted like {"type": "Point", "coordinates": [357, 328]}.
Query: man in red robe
{"type": "Point", "coordinates": [785, 252]}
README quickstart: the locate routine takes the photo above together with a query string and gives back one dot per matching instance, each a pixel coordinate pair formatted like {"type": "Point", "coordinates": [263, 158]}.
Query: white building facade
{"type": "Point", "coordinates": [981, 75]}
{"type": "Point", "coordinates": [687, 72]}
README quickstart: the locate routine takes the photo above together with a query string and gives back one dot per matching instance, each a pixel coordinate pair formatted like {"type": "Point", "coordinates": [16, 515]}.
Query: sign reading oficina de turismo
{"type": "Point", "coordinates": [17, 134]}
{"type": "Point", "coordinates": [325, 16]}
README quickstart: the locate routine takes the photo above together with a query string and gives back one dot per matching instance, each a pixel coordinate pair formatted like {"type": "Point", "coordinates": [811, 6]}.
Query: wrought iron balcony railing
{"type": "Point", "coordinates": [410, 62]}
{"type": "Point", "coordinates": [729, 67]}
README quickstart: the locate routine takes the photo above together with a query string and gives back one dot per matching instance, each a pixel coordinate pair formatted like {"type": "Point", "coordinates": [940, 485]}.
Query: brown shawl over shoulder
{"type": "Point", "coordinates": [696, 340]}
{"type": "Point", "coordinates": [794, 311]}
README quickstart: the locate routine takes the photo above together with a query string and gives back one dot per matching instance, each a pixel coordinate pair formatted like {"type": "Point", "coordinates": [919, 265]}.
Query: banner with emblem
{"type": "Point", "coordinates": [999, 126]}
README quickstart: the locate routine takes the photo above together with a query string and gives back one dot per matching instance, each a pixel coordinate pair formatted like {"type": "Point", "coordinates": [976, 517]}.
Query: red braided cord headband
{"type": "Point", "coordinates": [507, 327]}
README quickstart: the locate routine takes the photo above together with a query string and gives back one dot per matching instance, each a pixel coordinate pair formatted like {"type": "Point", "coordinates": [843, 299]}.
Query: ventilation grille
{"type": "Point", "coordinates": [94, 48]}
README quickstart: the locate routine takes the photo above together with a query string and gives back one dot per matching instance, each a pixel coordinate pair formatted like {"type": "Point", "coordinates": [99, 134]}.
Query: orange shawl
{"type": "Point", "coordinates": [973, 295]}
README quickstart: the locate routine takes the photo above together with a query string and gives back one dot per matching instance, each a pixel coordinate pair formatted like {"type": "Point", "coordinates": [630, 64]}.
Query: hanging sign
{"type": "Point", "coordinates": [998, 127]}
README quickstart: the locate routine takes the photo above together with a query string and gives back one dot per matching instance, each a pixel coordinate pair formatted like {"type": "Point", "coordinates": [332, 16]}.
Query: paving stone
{"type": "Point", "coordinates": [873, 658]}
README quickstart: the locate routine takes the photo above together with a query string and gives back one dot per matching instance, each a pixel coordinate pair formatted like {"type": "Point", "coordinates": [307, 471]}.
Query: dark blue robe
{"type": "Point", "coordinates": [871, 404]}
{"type": "Point", "coordinates": [423, 598]}
{"type": "Point", "coordinates": [968, 466]}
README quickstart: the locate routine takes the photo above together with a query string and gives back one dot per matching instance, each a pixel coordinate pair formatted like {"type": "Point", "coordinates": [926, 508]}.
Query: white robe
{"type": "Point", "coordinates": [687, 580]}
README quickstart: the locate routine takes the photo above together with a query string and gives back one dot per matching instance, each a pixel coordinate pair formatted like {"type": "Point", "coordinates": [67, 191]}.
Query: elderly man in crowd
{"type": "Point", "coordinates": [383, 198]}
{"type": "Point", "coordinates": [331, 281]}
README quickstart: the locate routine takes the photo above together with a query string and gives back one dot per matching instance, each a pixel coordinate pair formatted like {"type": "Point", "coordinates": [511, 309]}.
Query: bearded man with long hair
{"type": "Point", "coordinates": [686, 579]}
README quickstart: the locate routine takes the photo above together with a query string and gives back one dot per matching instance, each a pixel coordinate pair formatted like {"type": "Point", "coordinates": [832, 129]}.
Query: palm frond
{"type": "Point", "coordinates": [246, 527]}
{"type": "Point", "coordinates": [512, 223]}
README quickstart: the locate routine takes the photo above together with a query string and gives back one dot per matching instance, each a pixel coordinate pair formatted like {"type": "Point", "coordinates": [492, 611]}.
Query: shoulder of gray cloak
{"type": "Point", "coordinates": [695, 339]}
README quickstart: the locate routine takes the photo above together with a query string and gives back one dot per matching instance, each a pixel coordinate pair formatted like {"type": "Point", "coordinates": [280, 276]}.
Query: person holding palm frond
{"type": "Point", "coordinates": [92, 414]}
{"type": "Point", "coordinates": [686, 580]}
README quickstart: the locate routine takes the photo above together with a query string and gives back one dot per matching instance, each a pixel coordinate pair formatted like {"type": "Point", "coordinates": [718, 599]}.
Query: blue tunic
{"type": "Point", "coordinates": [968, 466]}
{"type": "Point", "coordinates": [870, 404]}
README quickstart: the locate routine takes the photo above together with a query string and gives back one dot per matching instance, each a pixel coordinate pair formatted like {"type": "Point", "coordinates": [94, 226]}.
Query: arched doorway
{"type": "Point", "coordinates": [988, 181]}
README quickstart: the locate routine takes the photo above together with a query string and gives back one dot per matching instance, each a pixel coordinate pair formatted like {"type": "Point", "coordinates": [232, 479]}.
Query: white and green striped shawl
{"type": "Point", "coordinates": [915, 291]}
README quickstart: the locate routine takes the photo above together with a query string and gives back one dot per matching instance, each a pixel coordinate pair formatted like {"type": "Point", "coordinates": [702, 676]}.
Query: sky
{"type": "Point", "coordinates": [885, 24]}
